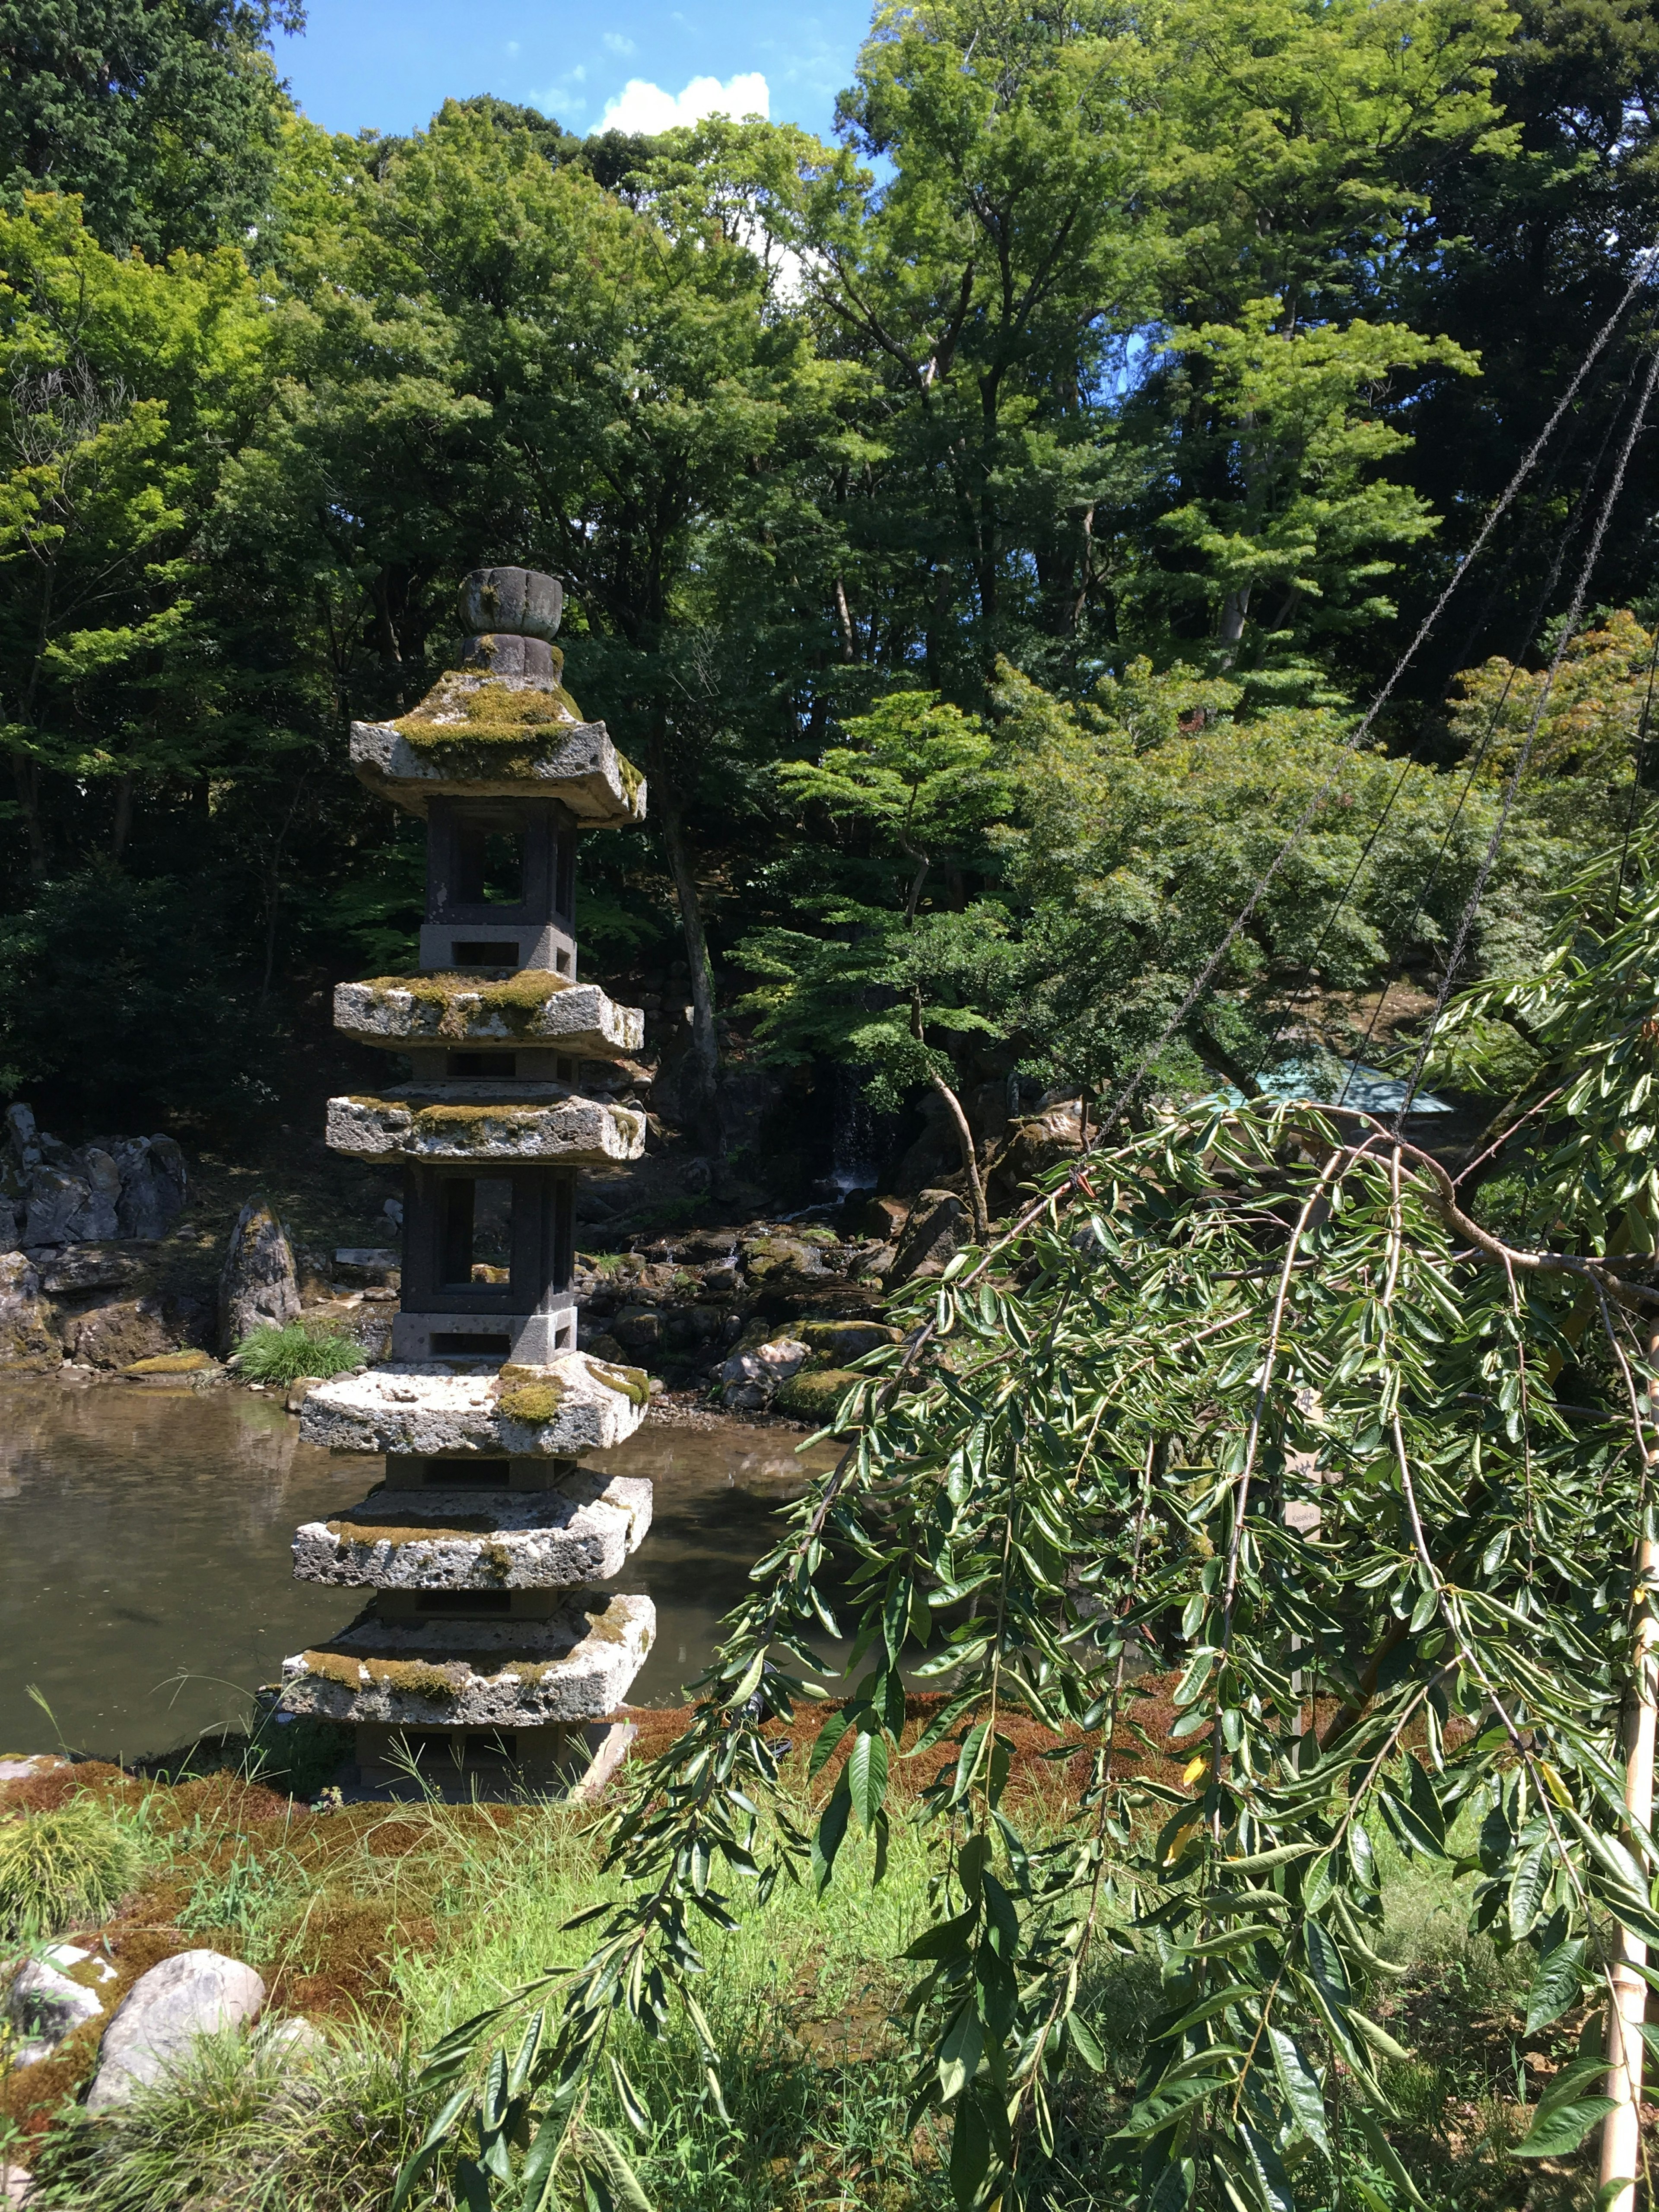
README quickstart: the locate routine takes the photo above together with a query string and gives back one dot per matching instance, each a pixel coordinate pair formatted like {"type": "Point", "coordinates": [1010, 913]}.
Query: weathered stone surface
{"type": "Point", "coordinates": [937, 1233]}
{"type": "Point", "coordinates": [572, 1404]}
{"type": "Point", "coordinates": [498, 653]}
{"type": "Point", "coordinates": [93, 1268]}
{"type": "Point", "coordinates": [844, 1341]}
{"type": "Point", "coordinates": [574, 761]}
{"type": "Point", "coordinates": [259, 1284]}
{"type": "Point", "coordinates": [44, 2006]}
{"type": "Point", "coordinates": [749, 1379]}
{"type": "Point", "coordinates": [581, 1533]}
{"type": "Point", "coordinates": [1034, 1148]}
{"type": "Point", "coordinates": [814, 1394]}
{"type": "Point", "coordinates": [22, 1138]}
{"type": "Point", "coordinates": [26, 1338]}
{"type": "Point", "coordinates": [62, 1207]}
{"type": "Point", "coordinates": [118, 1334]}
{"type": "Point", "coordinates": [154, 1184]}
{"type": "Point", "coordinates": [520, 600]}
{"type": "Point", "coordinates": [575, 1666]}
{"type": "Point", "coordinates": [197, 1993]}
{"type": "Point", "coordinates": [570, 1132]}
{"type": "Point", "coordinates": [531, 1008]}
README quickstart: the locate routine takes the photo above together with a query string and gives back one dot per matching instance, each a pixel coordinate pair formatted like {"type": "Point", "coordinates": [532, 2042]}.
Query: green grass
{"type": "Point", "coordinates": [241, 2129]}
{"type": "Point", "coordinates": [56, 1869]}
{"type": "Point", "coordinates": [802, 2001]}
{"type": "Point", "coordinates": [302, 1348]}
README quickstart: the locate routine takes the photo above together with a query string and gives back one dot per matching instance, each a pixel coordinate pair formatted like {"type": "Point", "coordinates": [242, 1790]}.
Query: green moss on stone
{"type": "Point", "coordinates": [815, 1394]}
{"type": "Point", "coordinates": [416, 1677]}
{"type": "Point", "coordinates": [369, 1532]}
{"type": "Point", "coordinates": [517, 1001]}
{"type": "Point", "coordinates": [532, 1403]}
{"type": "Point", "coordinates": [633, 1383]}
{"type": "Point", "coordinates": [331, 1666]}
{"type": "Point", "coordinates": [170, 1362]}
{"type": "Point", "coordinates": [467, 709]}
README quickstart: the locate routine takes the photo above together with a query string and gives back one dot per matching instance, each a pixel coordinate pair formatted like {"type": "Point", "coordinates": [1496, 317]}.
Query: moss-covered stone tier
{"type": "Point", "coordinates": [576, 1665]}
{"type": "Point", "coordinates": [477, 737]}
{"type": "Point", "coordinates": [459, 1540]}
{"type": "Point", "coordinates": [584, 1132]}
{"type": "Point", "coordinates": [533, 1008]}
{"type": "Point", "coordinates": [572, 1405]}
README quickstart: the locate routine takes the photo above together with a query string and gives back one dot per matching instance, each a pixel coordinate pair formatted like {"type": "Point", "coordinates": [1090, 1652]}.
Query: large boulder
{"type": "Point", "coordinates": [196, 1993]}
{"type": "Point", "coordinates": [749, 1380]}
{"type": "Point", "coordinates": [1034, 1149]}
{"type": "Point", "coordinates": [72, 1203]}
{"type": "Point", "coordinates": [258, 1285]}
{"type": "Point", "coordinates": [939, 1229]}
{"type": "Point", "coordinates": [26, 1337]}
{"type": "Point", "coordinates": [118, 1334]}
{"type": "Point", "coordinates": [154, 1181]}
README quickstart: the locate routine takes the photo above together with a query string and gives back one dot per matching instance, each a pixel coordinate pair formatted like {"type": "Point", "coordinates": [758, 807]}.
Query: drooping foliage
{"type": "Point", "coordinates": [1253, 1405]}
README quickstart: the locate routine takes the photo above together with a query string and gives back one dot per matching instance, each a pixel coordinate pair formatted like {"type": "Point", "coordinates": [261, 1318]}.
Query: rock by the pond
{"type": "Point", "coordinates": [16, 2185]}
{"type": "Point", "coordinates": [749, 1379]}
{"type": "Point", "coordinates": [258, 1285]}
{"type": "Point", "coordinates": [84, 1267]}
{"type": "Point", "coordinates": [117, 1334]}
{"type": "Point", "coordinates": [939, 1227]}
{"type": "Point", "coordinates": [26, 1335]}
{"type": "Point", "coordinates": [196, 1993]}
{"type": "Point", "coordinates": [43, 2006]}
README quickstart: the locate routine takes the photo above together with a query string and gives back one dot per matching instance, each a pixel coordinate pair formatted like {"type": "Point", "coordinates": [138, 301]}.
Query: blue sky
{"type": "Point", "coordinates": [387, 64]}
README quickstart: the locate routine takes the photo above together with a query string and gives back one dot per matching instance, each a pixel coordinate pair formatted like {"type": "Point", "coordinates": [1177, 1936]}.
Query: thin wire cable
{"type": "Point", "coordinates": [1637, 769]}
{"type": "Point", "coordinates": [1581, 508]}
{"type": "Point", "coordinates": [1644, 266]}
{"type": "Point", "coordinates": [1569, 631]}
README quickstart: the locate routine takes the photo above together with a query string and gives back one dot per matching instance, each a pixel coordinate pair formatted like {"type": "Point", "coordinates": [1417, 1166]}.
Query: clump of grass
{"type": "Point", "coordinates": [75, 1863]}
{"type": "Point", "coordinates": [244, 2128]}
{"type": "Point", "coordinates": [301, 1348]}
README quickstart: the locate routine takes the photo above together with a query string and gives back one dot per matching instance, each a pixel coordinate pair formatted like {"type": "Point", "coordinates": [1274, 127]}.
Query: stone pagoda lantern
{"type": "Point", "coordinates": [487, 1640]}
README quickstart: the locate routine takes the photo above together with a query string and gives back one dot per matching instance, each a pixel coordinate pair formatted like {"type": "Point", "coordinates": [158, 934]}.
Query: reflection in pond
{"type": "Point", "coordinates": [145, 1537]}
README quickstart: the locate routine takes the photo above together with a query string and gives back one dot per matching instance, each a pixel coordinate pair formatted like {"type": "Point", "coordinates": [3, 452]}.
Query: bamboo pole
{"type": "Point", "coordinates": [1621, 2131]}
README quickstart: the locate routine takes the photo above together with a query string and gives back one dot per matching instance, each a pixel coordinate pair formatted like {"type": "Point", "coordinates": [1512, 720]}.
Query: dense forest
{"type": "Point", "coordinates": [984, 531]}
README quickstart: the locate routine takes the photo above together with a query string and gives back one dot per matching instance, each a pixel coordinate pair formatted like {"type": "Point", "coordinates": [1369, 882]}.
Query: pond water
{"type": "Point", "coordinates": [148, 1585]}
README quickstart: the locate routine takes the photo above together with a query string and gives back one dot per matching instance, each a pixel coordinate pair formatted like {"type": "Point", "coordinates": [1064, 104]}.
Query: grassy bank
{"type": "Point", "coordinates": [385, 1926]}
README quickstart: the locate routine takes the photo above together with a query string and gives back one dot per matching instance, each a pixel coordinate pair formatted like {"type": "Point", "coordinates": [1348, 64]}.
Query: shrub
{"type": "Point", "coordinates": [75, 1863]}
{"type": "Point", "coordinates": [303, 1348]}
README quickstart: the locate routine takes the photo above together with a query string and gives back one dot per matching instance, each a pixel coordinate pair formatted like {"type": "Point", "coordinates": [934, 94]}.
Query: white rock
{"type": "Point", "coordinates": [16, 2185]}
{"type": "Point", "coordinates": [751, 1377]}
{"type": "Point", "coordinates": [430, 1410]}
{"type": "Point", "coordinates": [572, 1131]}
{"type": "Point", "coordinates": [197, 1993]}
{"type": "Point", "coordinates": [45, 2006]}
{"type": "Point", "coordinates": [582, 1532]}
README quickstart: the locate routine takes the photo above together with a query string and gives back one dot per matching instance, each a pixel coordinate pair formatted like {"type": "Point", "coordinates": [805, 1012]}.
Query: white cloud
{"type": "Point", "coordinates": [645, 107]}
{"type": "Point", "coordinates": [617, 43]}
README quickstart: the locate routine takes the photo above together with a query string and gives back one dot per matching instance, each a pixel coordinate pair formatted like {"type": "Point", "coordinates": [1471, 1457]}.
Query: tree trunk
{"type": "Point", "coordinates": [1621, 2131]}
{"type": "Point", "coordinates": [970, 1160]}
{"type": "Point", "coordinates": [705, 1039]}
{"type": "Point", "coordinates": [123, 826]}
{"type": "Point", "coordinates": [26, 774]}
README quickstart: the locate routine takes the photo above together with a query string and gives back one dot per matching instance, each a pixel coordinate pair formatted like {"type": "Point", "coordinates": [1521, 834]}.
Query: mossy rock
{"type": "Point", "coordinates": [171, 1363]}
{"type": "Point", "coordinates": [633, 1382]}
{"type": "Point", "coordinates": [532, 1403]}
{"type": "Point", "coordinates": [840, 1341]}
{"type": "Point", "coordinates": [814, 1394]}
{"type": "Point", "coordinates": [468, 709]}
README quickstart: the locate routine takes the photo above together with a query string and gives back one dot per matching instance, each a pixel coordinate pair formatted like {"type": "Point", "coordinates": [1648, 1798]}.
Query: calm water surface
{"type": "Point", "coordinates": [146, 1584]}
